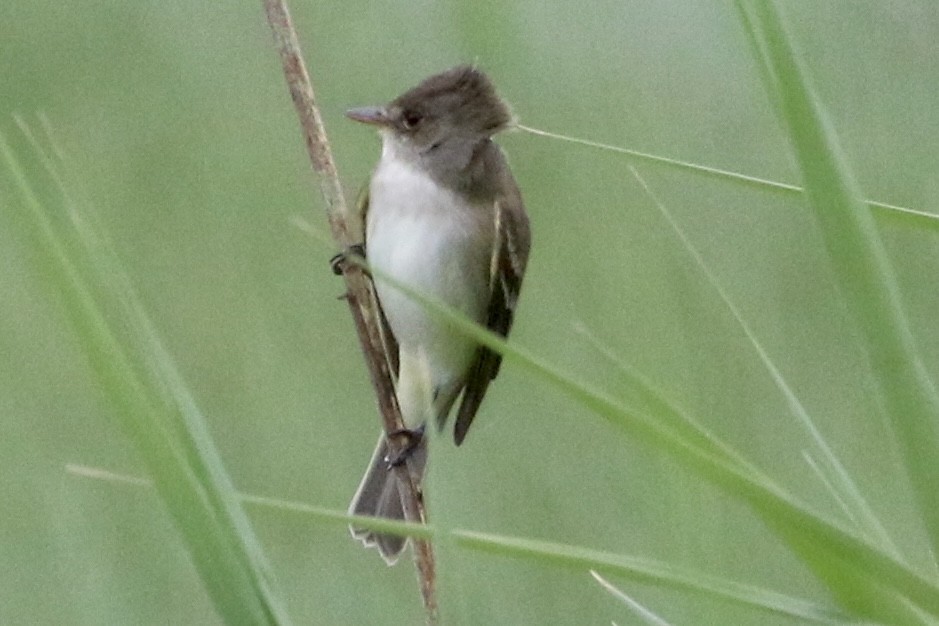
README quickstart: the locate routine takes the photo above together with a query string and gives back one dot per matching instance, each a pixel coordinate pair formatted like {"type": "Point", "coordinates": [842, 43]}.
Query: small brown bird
{"type": "Point", "coordinates": [444, 216]}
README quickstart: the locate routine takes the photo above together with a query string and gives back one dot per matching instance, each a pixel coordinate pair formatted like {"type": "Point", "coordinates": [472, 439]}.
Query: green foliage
{"type": "Point", "coordinates": [763, 454]}
{"type": "Point", "coordinates": [136, 375]}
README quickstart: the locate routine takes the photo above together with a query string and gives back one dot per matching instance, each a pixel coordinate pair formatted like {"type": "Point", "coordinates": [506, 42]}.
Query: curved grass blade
{"type": "Point", "coordinates": [921, 218]}
{"type": "Point", "coordinates": [860, 566]}
{"type": "Point", "coordinates": [642, 612]}
{"type": "Point", "coordinates": [642, 570]}
{"type": "Point", "coordinates": [851, 555]}
{"type": "Point", "coordinates": [834, 475]}
{"type": "Point", "coordinates": [154, 407]}
{"type": "Point", "coordinates": [650, 571]}
{"type": "Point", "coordinates": [859, 260]}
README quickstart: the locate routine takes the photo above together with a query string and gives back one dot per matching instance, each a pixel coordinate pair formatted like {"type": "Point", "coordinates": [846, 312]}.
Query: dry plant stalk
{"type": "Point", "coordinates": [346, 227]}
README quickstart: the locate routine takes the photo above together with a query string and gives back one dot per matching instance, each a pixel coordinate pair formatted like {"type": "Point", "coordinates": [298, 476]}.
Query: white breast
{"type": "Point", "coordinates": [439, 243]}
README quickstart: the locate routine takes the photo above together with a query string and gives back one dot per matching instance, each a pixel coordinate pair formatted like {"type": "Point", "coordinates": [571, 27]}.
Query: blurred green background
{"type": "Point", "coordinates": [177, 117]}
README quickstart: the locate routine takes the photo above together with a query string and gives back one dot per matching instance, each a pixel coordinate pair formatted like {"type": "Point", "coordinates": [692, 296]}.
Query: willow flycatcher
{"type": "Point", "coordinates": [444, 216]}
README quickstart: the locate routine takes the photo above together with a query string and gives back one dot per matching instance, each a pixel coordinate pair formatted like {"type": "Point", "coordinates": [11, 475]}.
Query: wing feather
{"type": "Point", "coordinates": [510, 256]}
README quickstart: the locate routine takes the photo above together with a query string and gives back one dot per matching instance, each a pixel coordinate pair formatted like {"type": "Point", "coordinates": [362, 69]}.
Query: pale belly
{"type": "Point", "coordinates": [417, 236]}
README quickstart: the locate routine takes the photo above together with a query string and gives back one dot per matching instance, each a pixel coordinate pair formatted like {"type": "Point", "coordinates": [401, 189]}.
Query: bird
{"type": "Point", "coordinates": [443, 215]}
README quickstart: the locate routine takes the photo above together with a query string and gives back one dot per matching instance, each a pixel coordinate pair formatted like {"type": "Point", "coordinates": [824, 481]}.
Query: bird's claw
{"type": "Point", "coordinates": [412, 437]}
{"type": "Point", "coordinates": [338, 262]}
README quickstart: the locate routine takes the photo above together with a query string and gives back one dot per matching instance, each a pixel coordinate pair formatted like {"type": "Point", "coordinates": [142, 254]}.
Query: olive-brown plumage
{"type": "Point", "coordinates": [445, 216]}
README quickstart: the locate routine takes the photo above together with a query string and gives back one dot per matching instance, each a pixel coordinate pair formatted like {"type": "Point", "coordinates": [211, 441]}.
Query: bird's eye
{"type": "Point", "coordinates": [410, 119]}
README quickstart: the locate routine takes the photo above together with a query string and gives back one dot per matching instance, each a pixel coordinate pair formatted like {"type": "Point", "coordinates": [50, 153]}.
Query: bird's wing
{"type": "Point", "coordinates": [510, 255]}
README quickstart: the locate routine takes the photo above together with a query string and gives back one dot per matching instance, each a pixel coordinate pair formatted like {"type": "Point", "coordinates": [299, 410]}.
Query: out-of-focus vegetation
{"type": "Point", "coordinates": [175, 123]}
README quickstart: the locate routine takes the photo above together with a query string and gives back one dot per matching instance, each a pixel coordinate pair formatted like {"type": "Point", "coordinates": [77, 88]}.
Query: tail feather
{"type": "Point", "coordinates": [378, 496]}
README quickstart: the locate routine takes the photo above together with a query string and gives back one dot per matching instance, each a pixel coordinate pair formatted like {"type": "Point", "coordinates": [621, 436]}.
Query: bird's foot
{"type": "Point", "coordinates": [412, 439]}
{"type": "Point", "coordinates": [339, 261]}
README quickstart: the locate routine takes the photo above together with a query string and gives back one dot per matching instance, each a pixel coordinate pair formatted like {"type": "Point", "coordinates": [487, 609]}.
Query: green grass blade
{"type": "Point", "coordinates": [852, 559]}
{"type": "Point", "coordinates": [833, 474]}
{"type": "Point", "coordinates": [859, 260]}
{"type": "Point", "coordinates": [638, 569]}
{"type": "Point", "coordinates": [649, 571]}
{"type": "Point", "coordinates": [921, 219]}
{"type": "Point", "coordinates": [155, 409]}
{"type": "Point", "coordinates": [648, 616]}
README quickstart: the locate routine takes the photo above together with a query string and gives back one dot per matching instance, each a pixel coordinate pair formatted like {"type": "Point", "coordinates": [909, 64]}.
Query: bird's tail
{"type": "Point", "coordinates": [378, 496]}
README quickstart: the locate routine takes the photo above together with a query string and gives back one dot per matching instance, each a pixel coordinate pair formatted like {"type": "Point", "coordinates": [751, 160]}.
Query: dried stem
{"type": "Point", "coordinates": [346, 227]}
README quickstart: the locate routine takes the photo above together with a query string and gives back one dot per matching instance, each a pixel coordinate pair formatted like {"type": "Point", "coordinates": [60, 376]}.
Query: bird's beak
{"type": "Point", "coordinates": [376, 116]}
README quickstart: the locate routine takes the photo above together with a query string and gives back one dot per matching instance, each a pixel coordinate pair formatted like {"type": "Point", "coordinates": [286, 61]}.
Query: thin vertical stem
{"type": "Point", "coordinates": [346, 227]}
